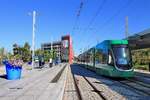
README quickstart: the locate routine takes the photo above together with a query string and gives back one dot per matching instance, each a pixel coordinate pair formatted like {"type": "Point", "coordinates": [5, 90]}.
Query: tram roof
{"type": "Point", "coordinates": [140, 40]}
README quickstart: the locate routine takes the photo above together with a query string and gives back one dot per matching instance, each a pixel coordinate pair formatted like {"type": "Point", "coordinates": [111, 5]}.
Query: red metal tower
{"type": "Point", "coordinates": [67, 44]}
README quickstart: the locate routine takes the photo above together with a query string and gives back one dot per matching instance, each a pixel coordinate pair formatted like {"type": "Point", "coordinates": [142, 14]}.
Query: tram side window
{"type": "Point", "coordinates": [104, 58]}
{"type": "Point", "coordinates": [88, 57]}
{"type": "Point", "coordinates": [100, 57]}
{"type": "Point", "coordinates": [91, 58]}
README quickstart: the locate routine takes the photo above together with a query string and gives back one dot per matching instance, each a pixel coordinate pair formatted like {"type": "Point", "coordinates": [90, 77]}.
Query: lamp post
{"type": "Point", "coordinates": [126, 27]}
{"type": "Point", "coordinates": [33, 36]}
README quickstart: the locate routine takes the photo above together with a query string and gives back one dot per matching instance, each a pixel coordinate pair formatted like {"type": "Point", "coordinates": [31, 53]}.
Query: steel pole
{"type": "Point", "coordinates": [33, 37]}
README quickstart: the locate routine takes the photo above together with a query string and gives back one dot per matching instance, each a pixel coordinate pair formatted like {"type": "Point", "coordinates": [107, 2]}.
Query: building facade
{"type": "Point", "coordinates": [63, 48]}
{"type": "Point", "coordinates": [55, 46]}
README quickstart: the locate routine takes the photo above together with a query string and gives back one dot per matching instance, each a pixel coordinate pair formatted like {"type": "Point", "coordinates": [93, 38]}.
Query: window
{"type": "Point", "coordinates": [100, 57]}
{"type": "Point", "coordinates": [122, 57]}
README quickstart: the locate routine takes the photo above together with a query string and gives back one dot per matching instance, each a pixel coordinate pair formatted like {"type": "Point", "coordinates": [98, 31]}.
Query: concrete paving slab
{"type": "Point", "coordinates": [57, 90]}
{"type": "Point", "coordinates": [70, 92]}
{"type": "Point", "coordinates": [34, 84]}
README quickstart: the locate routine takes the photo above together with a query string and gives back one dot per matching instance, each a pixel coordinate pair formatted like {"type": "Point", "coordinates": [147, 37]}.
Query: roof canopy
{"type": "Point", "coordinates": [140, 40]}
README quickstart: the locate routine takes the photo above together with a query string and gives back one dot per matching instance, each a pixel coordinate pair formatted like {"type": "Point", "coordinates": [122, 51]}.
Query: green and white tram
{"type": "Point", "coordinates": [110, 58]}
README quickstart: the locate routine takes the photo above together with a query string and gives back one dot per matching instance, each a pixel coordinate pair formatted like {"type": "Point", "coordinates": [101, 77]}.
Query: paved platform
{"type": "Point", "coordinates": [142, 73]}
{"type": "Point", "coordinates": [35, 84]}
{"type": "Point", "coordinates": [70, 92]}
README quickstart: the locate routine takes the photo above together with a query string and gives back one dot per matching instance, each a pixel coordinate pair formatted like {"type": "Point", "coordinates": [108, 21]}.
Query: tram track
{"type": "Point", "coordinates": [77, 88]}
{"type": "Point", "coordinates": [94, 89]}
{"type": "Point", "coordinates": [133, 86]}
{"type": "Point", "coordinates": [139, 86]}
{"type": "Point", "coordinates": [139, 82]}
{"type": "Point", "coordinates": [146, 77]}
{"type": "Point", "coordinates": [137, 89]}
{"type": "Point", "coordinates": [142, 75]}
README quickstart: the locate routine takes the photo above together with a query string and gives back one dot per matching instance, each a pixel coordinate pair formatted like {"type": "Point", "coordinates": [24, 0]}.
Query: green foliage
{"type": "Point", "coordinates": [24, 52]}
{"type": "Point", "coordinates": [17, 57]}
{"type": "Point", "coordinates": [54, 55]}
{"type": "Point", "coordinates": [2, 55]}
{"type": "Point", "coordinates": [142, 67]}
{"type": "Point", "coordinates": [39, 52]}
{"type": "Point", "coordinates": [47, 55]}
{"type": "Point", "coordinates": [27, 46]}
{"type": "Point", "coordinates": [9, 55]}
{"type": "Point", "coordinates": [141, 58]}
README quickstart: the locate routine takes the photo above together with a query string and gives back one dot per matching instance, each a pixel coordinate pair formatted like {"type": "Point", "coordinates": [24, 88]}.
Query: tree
{"type": "Point", "coordinates": [27, 46]}
{"type": "Point", "coordinates": [9, 55]}
{"type": "Point", "coordinates": [39, 52]}
{"type": "Point", "coordinates": [53, 54]}
{"type": "Point", "coordinates": [1, 54]}
{"type": "Point", "coordinates": [47, 55]}
{"type": "Point", "coordinates": [24, 51]}
{"type": "Point", "coordinates": [141, 56]}
{"type": "Point", "coordinates": [15, 45]}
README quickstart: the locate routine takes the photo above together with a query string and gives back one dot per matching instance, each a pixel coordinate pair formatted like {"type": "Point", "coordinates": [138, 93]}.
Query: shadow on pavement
{"type": "Point", "coordinates": [110, 82]}
{"type": "Point", "coordinates": [3, 76]}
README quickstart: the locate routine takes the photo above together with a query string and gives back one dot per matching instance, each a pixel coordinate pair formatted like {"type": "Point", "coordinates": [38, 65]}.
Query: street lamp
{"type": "Point", "coordinates": [33, 36]}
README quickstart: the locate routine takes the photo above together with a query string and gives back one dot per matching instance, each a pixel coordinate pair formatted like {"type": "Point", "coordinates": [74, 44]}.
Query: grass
{"type": "Point", "coordinates": [142, 67]}
{"type": "Point", "coordinates": [30, 68]}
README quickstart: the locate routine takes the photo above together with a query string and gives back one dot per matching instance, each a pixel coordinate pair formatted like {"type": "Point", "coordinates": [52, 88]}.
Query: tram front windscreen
{"type": "Point", "coordinates": [122, 57]}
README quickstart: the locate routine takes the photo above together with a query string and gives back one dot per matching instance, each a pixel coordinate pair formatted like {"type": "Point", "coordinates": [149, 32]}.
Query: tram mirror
{"type": "Point", "coordinates": [109, 59]}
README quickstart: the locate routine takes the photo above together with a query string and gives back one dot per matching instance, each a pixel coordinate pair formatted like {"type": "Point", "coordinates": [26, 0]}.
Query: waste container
{"type": "Point", "coordinates": [30, 62]}
{"type": "Point", "coordinates": [13, 72]}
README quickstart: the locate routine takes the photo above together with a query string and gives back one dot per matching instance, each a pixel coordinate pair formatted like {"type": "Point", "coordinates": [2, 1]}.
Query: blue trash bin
{"type": "Point", "coordinates": [13, 72]}
{"type": "Point", "coordinates": [29, 62]}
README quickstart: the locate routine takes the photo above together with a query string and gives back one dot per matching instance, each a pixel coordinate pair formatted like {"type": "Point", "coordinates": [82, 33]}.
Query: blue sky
{"type": "Point", "coordinates": [58, 17]}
